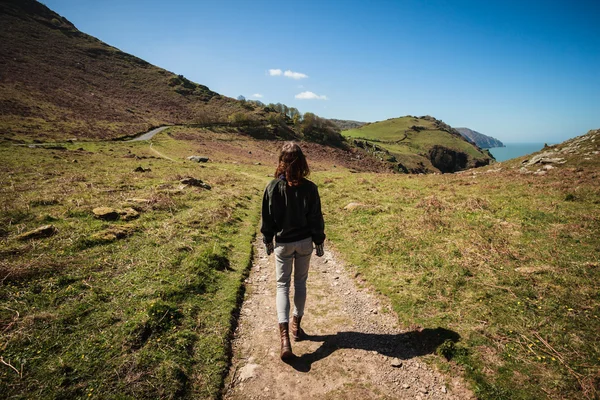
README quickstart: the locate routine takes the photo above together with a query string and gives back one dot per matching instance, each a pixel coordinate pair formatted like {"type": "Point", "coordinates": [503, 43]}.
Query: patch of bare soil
{"type": "Point", "coordinates": [354, 348]}
{"type": "Point", "coordinates": [242, 148]}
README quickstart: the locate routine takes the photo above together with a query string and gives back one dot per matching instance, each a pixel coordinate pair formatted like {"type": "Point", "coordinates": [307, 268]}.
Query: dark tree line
{"type": "Point", "coordinates": [308, 125]}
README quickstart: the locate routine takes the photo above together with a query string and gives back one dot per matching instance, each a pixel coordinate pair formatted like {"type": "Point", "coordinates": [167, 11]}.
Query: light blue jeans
{"type": "Point", "coordinates": [296, 254]}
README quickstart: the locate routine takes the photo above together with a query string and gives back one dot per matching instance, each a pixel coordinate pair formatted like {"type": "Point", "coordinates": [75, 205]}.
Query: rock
{"type": "Point", "coordinates": [142, 169]}
{"type": "Point", "coordinates": [353, 205]}
{"type": "Point", "coordinates": [544, 158]}
{"type": "Point", "coordinates": [138, 200]}
{"type": "Point", "coordinates": [524, 170]}
{"type": "Point", "coordinates": [248, 371]}
{"type": "Point", "coordinates": [38, 233]}
{"type": "Point", "coordinates": [444, 390]}
{"type": "Point", "coordinates": [405, 386]}
{"type": "Point", "coordinates": [128, 214]}
{"type": "Point", "coordinates": [423, 390]}
{"type": "Point", "coordinates": [106, 213]}
{"type": "Point", "coordinates": [195, 182]}
{"type": "Point", "coordinates": [396, 363]}
{"type": "Point", "coordinates": [113, 233]}
{"type": "Point", "coordinates": [198, 159]}
{"type": "Point", "coordinates": [540, 172]}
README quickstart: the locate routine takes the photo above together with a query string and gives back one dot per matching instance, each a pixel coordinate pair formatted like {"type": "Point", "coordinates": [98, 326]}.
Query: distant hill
{"type": "Point", "coordinates": [345, 124]}
{"type": "Point", "coordinates": [57, 82]}
{"type": "Point", "coordinates": [481, 140]}
{"type": "Point", "coordinates": [419, 145]}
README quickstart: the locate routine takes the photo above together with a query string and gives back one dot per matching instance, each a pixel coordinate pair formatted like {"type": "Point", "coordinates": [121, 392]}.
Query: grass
{"type": "Point", "coordinates": [144, 314]}
{"type": "Point", "coordinates": [410, 139]}
{"type": "Point", "coordinates": [507, 260]}
{"type": "Point", "coordinates": [144, 308]}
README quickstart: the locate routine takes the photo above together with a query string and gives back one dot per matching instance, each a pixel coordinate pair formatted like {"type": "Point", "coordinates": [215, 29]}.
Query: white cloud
{"type": "Point", "coordinates": [257, 95]}
{"type": "Point", "coordinates": [288, 74]}
{"type": "Point", "coordinates": [294, 75]}
{"type": "Point", "coordinates": [310, 96]}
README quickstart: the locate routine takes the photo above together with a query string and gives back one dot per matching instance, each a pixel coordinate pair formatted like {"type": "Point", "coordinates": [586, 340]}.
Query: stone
{"type": "Point", "coordinates": [113, 233]}
{"type": "Point", "coordinates": [544, 158]}
{"type": "Point", "coordinates": [198, 159]}
{"type": "Point", "coordinates": [128, 214]}
{"type": "Point", "coordinates": [248, 371]}
{"type": "Point", "coordinates": [137, 200]}
{"type": "Point", "coordinates": [524, 170]}
{"type": "Point", "coordinates": [142, 169]}
{"type": "Point", "coordinates": [396, 363]}
{"type": "Point", "coordinates": [106, 213]}
{"type": "Point", "coordinates": [444, 389]}
{"type": "Point", "coordinates": [39, 233]}
{"type": "Point", "coordinates": [353, 206]}
{"type": "Point", "coordinates": [195, 182]}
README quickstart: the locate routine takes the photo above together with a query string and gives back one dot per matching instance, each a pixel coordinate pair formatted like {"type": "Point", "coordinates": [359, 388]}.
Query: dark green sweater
{"type": "Point", "coordinates": [292, 213]}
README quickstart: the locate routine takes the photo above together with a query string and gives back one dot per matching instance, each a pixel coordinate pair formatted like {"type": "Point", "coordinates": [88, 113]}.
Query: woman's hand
{"type": "Point", "coordinates": [319, 250]}
{"type": "Point", "coordinates": [269, 248]}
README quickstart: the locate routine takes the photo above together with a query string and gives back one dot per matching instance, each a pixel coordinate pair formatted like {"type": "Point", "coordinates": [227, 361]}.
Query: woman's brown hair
{"type": "Point", "coordinates": [292, 164]}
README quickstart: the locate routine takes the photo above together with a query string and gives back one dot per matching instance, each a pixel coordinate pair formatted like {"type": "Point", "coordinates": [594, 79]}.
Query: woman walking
{"type": "Point", "coordinates": [291, 213]}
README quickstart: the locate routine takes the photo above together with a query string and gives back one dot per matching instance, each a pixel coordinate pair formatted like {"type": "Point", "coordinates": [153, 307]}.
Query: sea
{"type": "Point", "coordinates": [514, 150]}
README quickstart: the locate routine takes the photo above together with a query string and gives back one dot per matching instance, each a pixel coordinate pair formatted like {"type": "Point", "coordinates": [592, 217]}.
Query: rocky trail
{"type": "Point", "coordinates": [354, 348]}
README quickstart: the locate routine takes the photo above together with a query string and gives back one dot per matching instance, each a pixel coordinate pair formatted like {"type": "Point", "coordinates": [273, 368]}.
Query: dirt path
{"type": "Point", "coordinates": [354, 350]}
{"type": "Point", "coordinates": [158, 153]}
{"type": "Point", "coordinates": [150, 134]}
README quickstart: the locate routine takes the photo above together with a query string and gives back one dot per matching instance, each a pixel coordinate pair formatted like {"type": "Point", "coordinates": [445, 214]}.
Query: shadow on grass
{"type": "Point", "coordinates": [403, 345]}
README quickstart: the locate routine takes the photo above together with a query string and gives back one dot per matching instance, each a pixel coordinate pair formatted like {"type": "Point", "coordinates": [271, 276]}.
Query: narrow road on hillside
{"type": "Point", "coordinates": [149, 135]}
{"type": "Point", "coordinates": [354, 349]}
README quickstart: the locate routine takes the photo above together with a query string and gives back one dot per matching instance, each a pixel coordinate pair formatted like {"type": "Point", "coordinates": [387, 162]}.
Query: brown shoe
{"type": "Point", "coordinates": [286, 346]}
{"type": "Point", "coordinates": [297, 332]}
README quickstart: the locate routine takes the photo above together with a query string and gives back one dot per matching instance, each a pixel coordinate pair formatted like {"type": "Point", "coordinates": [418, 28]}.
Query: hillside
{"type": "Point", "coordinates": [57, 82]}
{"type": "Point", "coordinates": [419, 145]}
{"type": "Point", "coordinates": [481, 140]}
{"type": "Point", "coordinates": [502, 259]}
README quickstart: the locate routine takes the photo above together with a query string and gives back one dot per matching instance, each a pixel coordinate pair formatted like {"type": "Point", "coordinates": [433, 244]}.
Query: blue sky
{"type": "Point", "coordinates": [521, 71]}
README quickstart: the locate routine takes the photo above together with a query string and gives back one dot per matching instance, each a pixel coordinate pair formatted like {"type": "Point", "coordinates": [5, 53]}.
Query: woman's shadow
{"type": "Point", "coordinates": [403, 345]}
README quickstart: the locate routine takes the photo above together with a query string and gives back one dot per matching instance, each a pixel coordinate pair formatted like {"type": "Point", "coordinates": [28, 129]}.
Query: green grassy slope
{"type": "Point", "coordinates": [411, 139]}
{"type": "Point", "coordinates": [138, 309]}
{"type": "Point", "coordinates": [507, 257]}
{"type": "Point", "coordinates": [121, 309]}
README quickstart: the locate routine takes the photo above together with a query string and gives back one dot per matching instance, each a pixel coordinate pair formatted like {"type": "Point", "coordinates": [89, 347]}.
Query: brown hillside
{"type": "Point", "coordinates": [57, 82]}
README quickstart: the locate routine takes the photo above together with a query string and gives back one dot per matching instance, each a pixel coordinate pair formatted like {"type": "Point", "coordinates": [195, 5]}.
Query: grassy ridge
{"type": "Point", "coordinates": [85, 314]}
{"type": "Point", "coordinates": [410, 139]}
{"type": "Point", "coordinates": [507, 260]}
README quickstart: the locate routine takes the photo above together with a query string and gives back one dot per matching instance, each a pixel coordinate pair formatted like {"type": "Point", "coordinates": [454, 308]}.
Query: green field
{"type": "Point", "coordinates": [509, 261]}
{"type": "Point", "coordinates": [144, 308]}
{"type": "Point", "coordinates": [127, 309]}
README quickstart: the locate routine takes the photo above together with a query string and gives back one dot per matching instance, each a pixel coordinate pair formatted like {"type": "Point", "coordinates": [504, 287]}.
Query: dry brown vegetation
{"type": "Point", "coordinates": [59, 83]}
